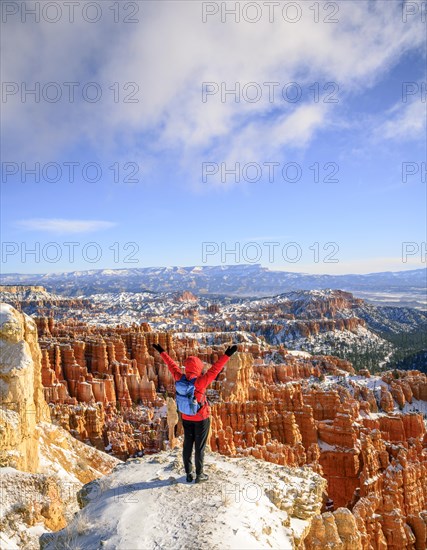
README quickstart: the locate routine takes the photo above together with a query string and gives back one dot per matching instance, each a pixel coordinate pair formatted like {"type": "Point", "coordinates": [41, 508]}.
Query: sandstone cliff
{"type": "Point", "coordinates": [21, 391]}
{"type": "Point", "coordinates": [42, 465]}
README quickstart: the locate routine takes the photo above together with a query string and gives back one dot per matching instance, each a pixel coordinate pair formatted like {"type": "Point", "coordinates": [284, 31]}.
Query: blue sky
{"type": "Point", "coordinates": [165, 216]}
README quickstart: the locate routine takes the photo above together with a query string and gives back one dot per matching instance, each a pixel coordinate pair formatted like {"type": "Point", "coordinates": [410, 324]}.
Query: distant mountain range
{"type": "Point", "coordinates": [403, 288]}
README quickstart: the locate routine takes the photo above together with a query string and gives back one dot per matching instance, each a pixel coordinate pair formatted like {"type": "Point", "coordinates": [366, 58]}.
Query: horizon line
{"type": "Point", "coordinates": [210, 266]}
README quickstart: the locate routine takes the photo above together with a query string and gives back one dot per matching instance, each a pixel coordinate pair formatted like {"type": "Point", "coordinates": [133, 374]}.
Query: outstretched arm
{"type": "Point", "coordinates": [172, 366]}
{"type": "Point", "coordinates": [216, 368]}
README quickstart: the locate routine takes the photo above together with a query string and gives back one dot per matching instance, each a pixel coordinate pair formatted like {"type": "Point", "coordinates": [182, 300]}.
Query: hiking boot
{"type": "Point", "coordinates": [189, 478]}
{"type": "Point", "coordinates": [201, 477]}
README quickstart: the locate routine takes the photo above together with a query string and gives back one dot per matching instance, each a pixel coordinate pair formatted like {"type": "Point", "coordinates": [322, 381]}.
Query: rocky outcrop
{"type": "Point", "coordinates": [37, 300]}
{"type": "Point", "coordinates": [335, 530]}
{"type": "Point", "coordinates": [22, 402]}
{"type": "Point", "coordinates": [186, 296]}
{"type": "Point", "coordinates": [235, 383]}
{"type": "Point", "coordinates": [42, 464]}
{"type": "Point", "coordinates": [18, 289]}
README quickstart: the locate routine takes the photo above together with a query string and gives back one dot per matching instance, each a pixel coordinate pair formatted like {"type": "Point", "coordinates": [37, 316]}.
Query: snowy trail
{"type": "Point", "coordinates": [147, 505]}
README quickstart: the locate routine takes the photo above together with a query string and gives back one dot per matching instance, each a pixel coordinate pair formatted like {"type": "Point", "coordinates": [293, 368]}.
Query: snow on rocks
{"type": "Point", "coordinates": [146, 504]}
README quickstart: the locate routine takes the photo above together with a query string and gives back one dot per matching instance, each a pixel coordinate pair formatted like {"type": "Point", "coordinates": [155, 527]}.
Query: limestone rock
{"type": "Point", "coordinates": [42, 464]}
{"type": "Point", "coordinates": [21, 392]}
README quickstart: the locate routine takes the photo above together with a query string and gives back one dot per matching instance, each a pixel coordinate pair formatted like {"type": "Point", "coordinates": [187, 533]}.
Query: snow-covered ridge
{"type": "Point", "coordinates": [145, 504]}
{"type": "Point", "coordinates": [405, 287]}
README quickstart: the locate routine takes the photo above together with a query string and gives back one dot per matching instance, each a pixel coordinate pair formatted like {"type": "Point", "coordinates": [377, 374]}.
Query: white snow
{"type": "Point", "coordinates": [145, 504]}
{"type": "Point", "coordinates": [325, 446]}
{"type": "Point", "coordinates": [373, 382]}
{"type": "Point", "coordinates": [299, 353]}
{"type": "Point", "coordinates": [6, 313]}
{"type": "Point", "coordinates": [8, 543]}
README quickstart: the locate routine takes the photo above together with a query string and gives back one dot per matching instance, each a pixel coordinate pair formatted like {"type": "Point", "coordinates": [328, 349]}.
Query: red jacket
{"type": "Point", "coordinates": [193, 369]}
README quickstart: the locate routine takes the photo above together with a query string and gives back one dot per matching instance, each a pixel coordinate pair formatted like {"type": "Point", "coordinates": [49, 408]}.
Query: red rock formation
{"type": "Point", "coordinates": [358, 455]}
{"type": "Point", "coordinates": [371, 453]}
{"type": "Point", "coordinates": [325, 404]}
{"type": "Point", "coordinates": [386, 400]}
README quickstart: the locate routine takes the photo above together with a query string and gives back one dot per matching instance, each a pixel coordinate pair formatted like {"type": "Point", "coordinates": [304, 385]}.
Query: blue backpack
{"type": "Point", "coordinates": [185, 399]}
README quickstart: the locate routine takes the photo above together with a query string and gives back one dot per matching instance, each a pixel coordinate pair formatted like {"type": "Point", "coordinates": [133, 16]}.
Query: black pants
{"type": "Point", "coordinates": [195, 433]}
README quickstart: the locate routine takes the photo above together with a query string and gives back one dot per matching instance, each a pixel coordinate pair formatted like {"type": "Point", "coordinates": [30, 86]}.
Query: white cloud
{"type": "Point", "coordinates": [171, 52]}
{"type": "Point", "coordinates": [406, 121]}
{"type": "Point", "coordinates": [64, 226]}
